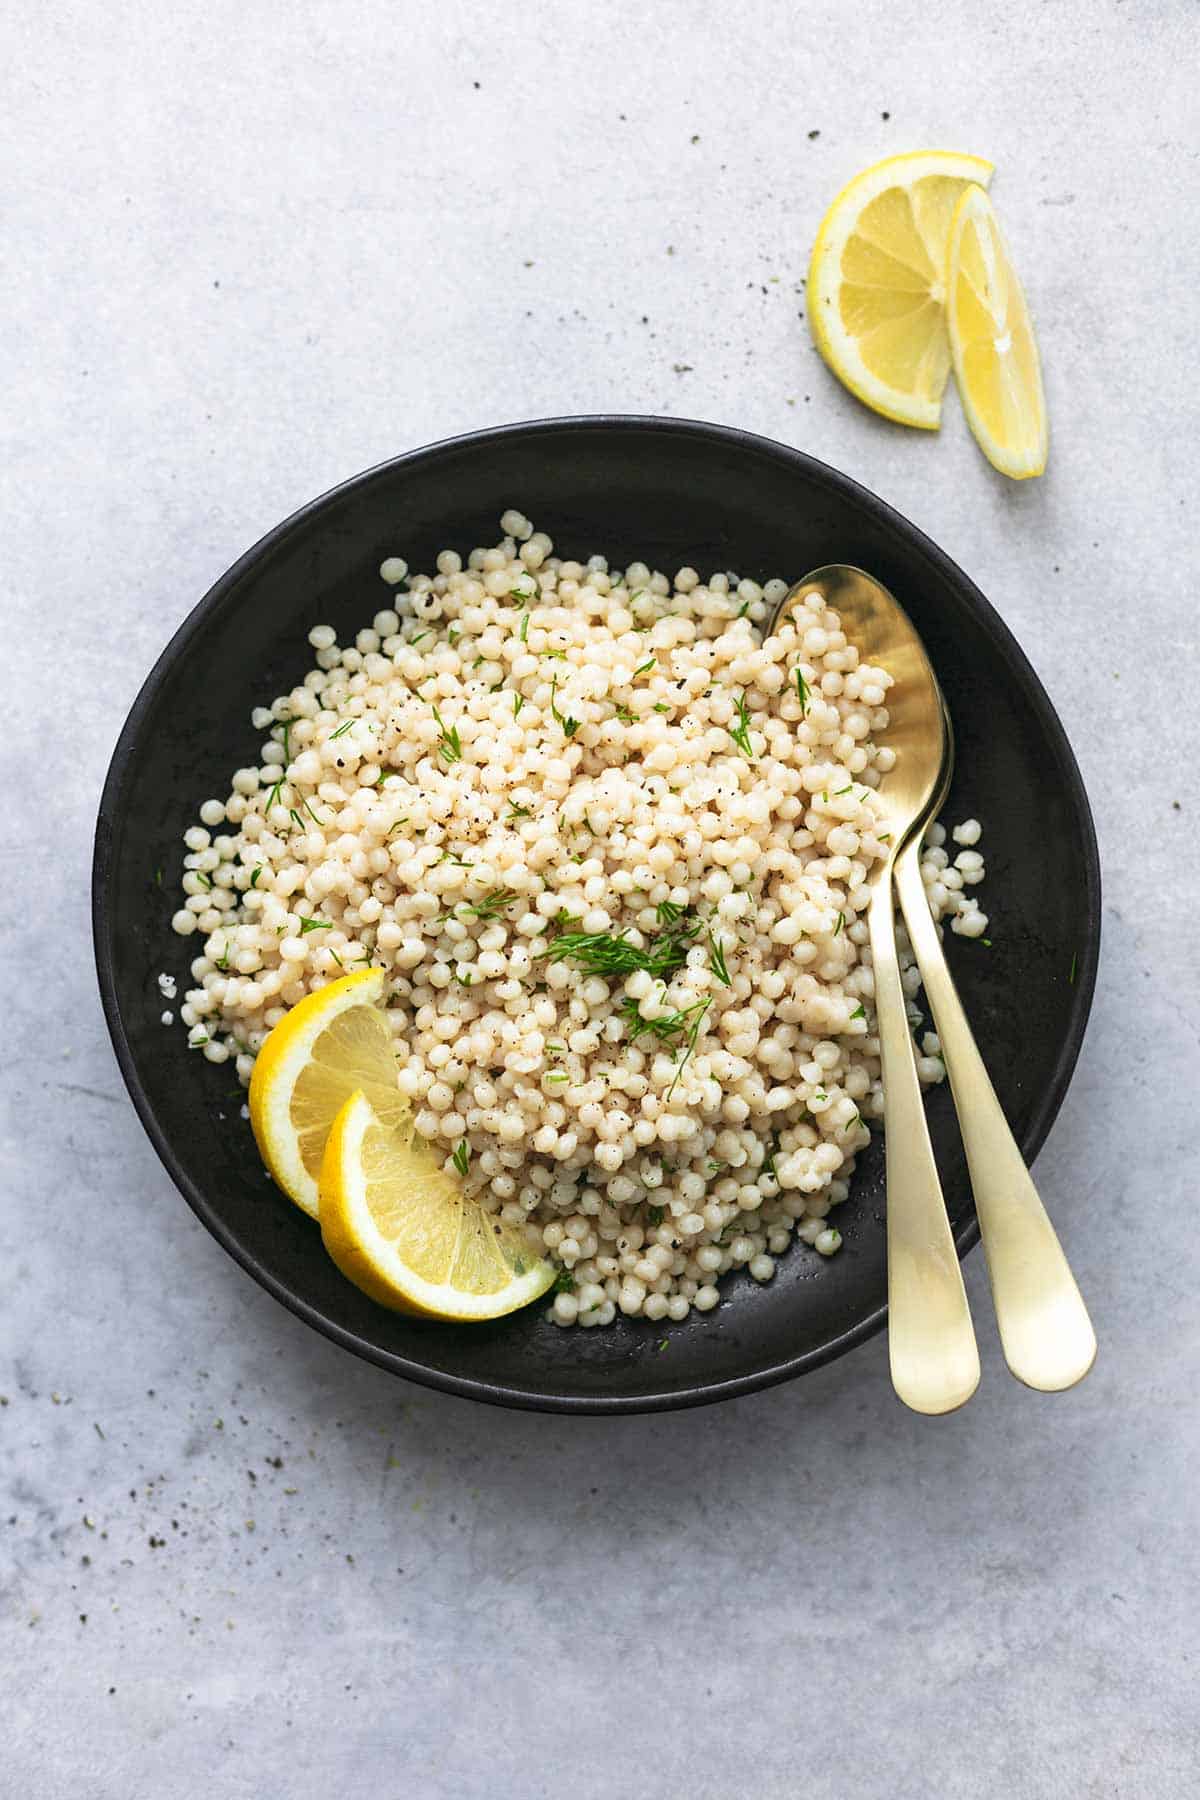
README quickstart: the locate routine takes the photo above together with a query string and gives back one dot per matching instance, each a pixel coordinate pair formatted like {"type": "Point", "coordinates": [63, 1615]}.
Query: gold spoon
{"type": "Point", "coordinates": [1047, 1336]}
{"type": "Point", "coordinates": [931, 1343]}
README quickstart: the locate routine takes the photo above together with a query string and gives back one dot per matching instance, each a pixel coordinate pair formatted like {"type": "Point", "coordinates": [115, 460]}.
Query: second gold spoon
{"type": "Point", "coordinates": [1044, 1326]}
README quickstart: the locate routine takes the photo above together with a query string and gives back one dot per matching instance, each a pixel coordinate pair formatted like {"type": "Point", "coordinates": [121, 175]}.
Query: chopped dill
{"type": "Point", "coordinates": [462, 1156]}
{"type": "Point", "coordinates": [608, 953]}
{"type": "Point", "coordinates": [668, 1026]}
{"type": "Point", "coordinates": [740, 733]}
{"type": "Point", "coordinates": [717, 963]}
{"type": "Point", "coordinates": [700, 1010]}
{"type": "Point", "coordinates": [307, 925]}
{"type": "Point", "coordinates": [490, 905]}
{"type": "Point", "coordinates": [569, 725]}
{"type": "Point", "coordinates": [449, 744]}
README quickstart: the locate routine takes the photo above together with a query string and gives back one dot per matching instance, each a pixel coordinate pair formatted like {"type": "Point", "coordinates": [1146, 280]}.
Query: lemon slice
{"type": "Point", "coordinates": [992, 342]}
{"type": "Point", "coordinates": [329, 1045]}
{"type": "Point", "coordinates": [402, 1229]}
{"type": "Point", "coordinates": [876, 282]}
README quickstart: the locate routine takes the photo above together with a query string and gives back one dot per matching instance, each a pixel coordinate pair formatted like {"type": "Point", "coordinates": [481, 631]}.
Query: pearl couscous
{"type": "Point", "coordinates": [613, 849]}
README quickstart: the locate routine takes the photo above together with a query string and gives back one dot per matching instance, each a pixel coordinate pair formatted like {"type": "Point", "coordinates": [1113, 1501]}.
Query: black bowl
{"type": "Point", "coordinates": [673, 492]}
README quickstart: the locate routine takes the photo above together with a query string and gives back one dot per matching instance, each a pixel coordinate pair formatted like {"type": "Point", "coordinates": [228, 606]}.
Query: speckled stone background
{"type": "Point", "coordinates": [248, 251]}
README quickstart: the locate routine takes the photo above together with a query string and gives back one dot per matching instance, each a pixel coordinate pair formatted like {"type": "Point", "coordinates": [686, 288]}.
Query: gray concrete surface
{"type": "Point", "coordinates": [250, 250]}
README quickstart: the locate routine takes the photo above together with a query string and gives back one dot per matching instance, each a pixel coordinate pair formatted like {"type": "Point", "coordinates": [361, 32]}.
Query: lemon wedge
{"type": "Point", "coordinates": [327, 1047]}
{"type": "Point", "coordinates": [401, 1228]}
{"type": "Point", "coordinates": [995, 352]}
{"type": "Point", "coordinates": [876, 282]}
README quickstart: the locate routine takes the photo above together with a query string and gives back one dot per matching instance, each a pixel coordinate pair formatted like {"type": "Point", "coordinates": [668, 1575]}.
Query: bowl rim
{"type": "Point", "coordinates": [735, 439]}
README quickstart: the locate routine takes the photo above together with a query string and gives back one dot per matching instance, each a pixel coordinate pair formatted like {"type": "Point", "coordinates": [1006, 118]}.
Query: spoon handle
{"type": "Point", "coordinates": [1044, 1326]}
{"type": "Point", "coordinates": [931, 1344]}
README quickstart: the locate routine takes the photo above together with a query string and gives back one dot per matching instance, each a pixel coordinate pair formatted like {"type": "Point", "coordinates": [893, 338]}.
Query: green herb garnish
{"type": "Point", "coordinates": [518, 703]}
{"type": "Point", "coordinates": [740, 733]}
{"type": "Point", "coordinates": [717, 963]}
{"type": "Point", "coordinates": [462, 1156]}
{"type": "Point", "coordinates": [666, 1027]}
{"type": "Point", "coordinates": [801, 689]}
{"type": "Point", "coordinates": [307, 925]}
{"type": "Point", "coordinates": [342, 730]}
{"type": "Point", "coordinates": [449, 744]}
{"type": "Point", "coordinates": [700, 1011]}
{"type": "Point", "coordinates": [519, 812]}
{"type": "Point", "coordinates": [608, 953]}
{"type": "Point", "coordinates": [569, 725]}
{"type": "Point", "coordinates": [642, 668]}
{"type": "Point", "coordinates": [523, 634]}
{"type": "Point", "coordinates": [564, 1282]}
{"type": "Point", "coordinates": [490, 905]}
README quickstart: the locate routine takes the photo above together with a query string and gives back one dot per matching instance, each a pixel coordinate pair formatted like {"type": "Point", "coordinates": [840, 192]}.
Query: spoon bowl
{"type": "Point", "coordinates": [875, 622]}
